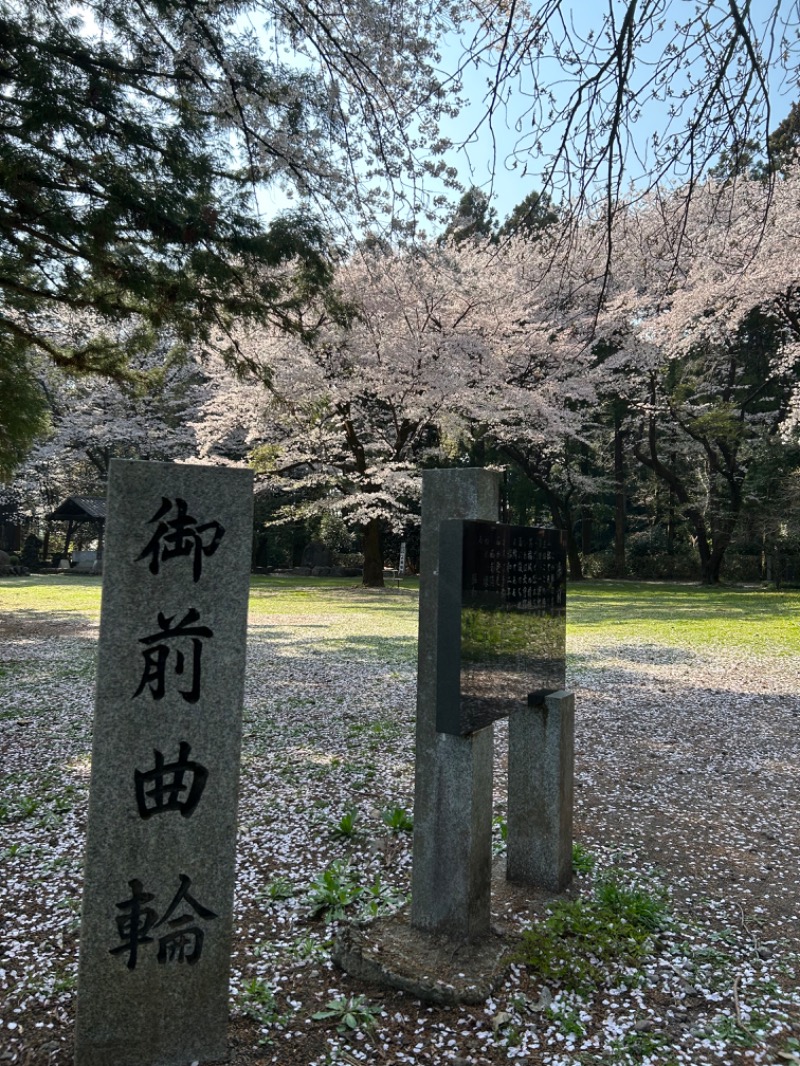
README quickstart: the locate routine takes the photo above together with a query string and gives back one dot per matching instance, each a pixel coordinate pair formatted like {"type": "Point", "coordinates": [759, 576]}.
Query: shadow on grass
{"type": "Point", "coordinates": [375, 649]}
{"type": "Point", "coordinates": [366, 649]}
{"type": "Point", "coordinates": [643, 654]}
{"type": "Point", "coordinates": [277, 595]}
{"type": "Point", "coordinates": [25, 623]}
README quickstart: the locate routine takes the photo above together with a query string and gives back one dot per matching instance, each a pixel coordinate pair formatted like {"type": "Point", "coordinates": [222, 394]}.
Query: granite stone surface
{"type": "Point", "coordinates": [156, 926]}
{"type": "Point", "coordinates": [541, 744]}
{"type": "Point", "coordinates": [452, 851]}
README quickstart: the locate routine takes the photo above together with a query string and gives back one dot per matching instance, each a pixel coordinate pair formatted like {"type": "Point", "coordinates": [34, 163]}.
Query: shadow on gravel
{"type": "Point", "coordinates": [26, 624]}
{"type": "Point", "coordinates": [644, 654]}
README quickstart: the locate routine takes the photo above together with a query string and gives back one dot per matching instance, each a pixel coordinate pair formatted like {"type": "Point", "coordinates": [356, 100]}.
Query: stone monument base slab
{"type": "Point", "coordinates": [391, 953]}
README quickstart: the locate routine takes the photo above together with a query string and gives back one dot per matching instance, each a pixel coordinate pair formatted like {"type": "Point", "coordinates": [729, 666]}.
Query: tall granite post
{"type": "Point", "coordinates": [452, 858]}
{"type": "Point", "coordinates": [540, 792]}
{"type": "Point", "coordinates": [157, 921]}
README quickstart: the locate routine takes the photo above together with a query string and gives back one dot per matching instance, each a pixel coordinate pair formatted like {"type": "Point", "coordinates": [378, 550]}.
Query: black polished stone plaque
{"type": "Point", "coordinates": [501, 621]}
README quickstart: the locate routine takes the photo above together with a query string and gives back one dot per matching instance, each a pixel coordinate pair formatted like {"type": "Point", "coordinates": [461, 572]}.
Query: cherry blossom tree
{"type": "Point", "coordinates": [700, 311]}
{"type": "Point", "coordinates": [93, 419]}
{"type": "Point", "coordinates": [350, 416]}
{"type": "Point", "coordinates": [687, 336]}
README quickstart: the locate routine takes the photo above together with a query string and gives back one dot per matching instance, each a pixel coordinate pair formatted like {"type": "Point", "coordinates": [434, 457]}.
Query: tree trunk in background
{"type": "Point", "coordinates": [563, 519]}
{"type": "Point", "coordinates": [573, 557]}
{"type": "Point", "coordinates": [619, 501]}
{"type": "Point", "coordinates": [373, 554]}
{"type": "Point", "coordinates": [671, 516]}
{"type": "Point", "coordinates": [707, 567]}
{"type": "Point", "coordinates": [586, 531]}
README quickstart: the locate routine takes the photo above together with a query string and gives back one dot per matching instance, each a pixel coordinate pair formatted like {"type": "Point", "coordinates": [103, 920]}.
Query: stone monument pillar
{"type": "Point", "coordinates": [452, 858]}
{"type": "Point", "coordinates": [541, 741]}
{"type": "Point", "coordinates": [156, 928]}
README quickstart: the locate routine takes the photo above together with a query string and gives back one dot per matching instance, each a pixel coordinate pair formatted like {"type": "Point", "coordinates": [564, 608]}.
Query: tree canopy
{"type": "Point", "coordinates": [630, 93]}
{"type": "Point", "coordinates": [676, 415]}
{"type": "Point", "coordinates": [136, 138]}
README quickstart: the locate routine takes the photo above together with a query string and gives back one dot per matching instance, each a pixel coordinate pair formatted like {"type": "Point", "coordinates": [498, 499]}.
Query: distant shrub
{"type": "Point", "coordinates": [641, 566]}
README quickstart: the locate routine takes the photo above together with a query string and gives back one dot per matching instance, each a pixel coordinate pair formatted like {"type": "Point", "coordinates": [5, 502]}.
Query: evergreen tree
{"type": "Point", "coordinates": [784, 142]}
{"type": "Point", "coordinates": [23, 415]}
{"type": "Point", "coordinates": [135, 138]}
{"type": "Point", "coordinates": [473, 219]}
{"type": "Point", "coordinates": [530, 216]}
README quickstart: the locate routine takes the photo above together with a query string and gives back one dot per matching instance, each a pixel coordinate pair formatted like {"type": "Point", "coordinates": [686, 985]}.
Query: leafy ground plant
{"type": "Point", "coordinates": [349, 1014]}
{"type": "Point", "coordinates": [582, 940]}
{"type": "Point", "coordinates": [278, 889]}
{"type": "Point", "coordinates": [258, 1001]}
{"type": "Point", "coordinates": [346, 826]}
{"type": "Point", "coordinates": [333, 891]}
{"type": "Point", "coordinates": [397, 820]}
{"type": "Point", "coordinates": [582, 861]}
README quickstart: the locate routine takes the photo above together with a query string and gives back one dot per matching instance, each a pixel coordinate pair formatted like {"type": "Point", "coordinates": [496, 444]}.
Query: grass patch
{"type": "Point", "coordinates": [687, 615]}
{"type": "Point", "coordinates": [383, 622]}
{"type": "Point", "coordinates": [28, 597]}
{"type": "Point", "coordinates": [582, 940]}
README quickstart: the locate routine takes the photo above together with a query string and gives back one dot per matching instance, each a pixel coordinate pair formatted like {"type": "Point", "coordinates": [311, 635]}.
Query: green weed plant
{"type": "Point", "coordinates": [349, 1014]}
{"type": "Point", "coordinates": [397, 820]}
{"type": "Point", "coordinates": [582, 940]}
{"type": "Point", "coordinates": [333, 892]}
{"type": "Point", "coordinates": [346, 826]}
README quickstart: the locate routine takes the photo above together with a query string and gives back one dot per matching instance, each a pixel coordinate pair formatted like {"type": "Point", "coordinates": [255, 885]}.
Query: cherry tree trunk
{"type": "Point", "coordinates": [709, 570]}
{"type": "Point", "coordinates": [574, 556]}
{"type": "Point", "coordinates": [373, 554]}
{"type": "Point", "coordinates": [563, 519]}
{"type": "Point", "coordinates": [712, 568]}
{"type": "Point", "coordinates": [710, 561]}
{"type": "Point", "coordinates": [619, 502]}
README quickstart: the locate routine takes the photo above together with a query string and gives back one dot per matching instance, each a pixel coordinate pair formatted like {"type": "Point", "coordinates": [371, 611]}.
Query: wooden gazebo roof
{"type": "Point", "coordinates": [80, 509]}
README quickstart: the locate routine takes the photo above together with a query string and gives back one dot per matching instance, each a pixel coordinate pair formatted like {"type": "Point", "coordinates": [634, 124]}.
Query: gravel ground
{"type": "Point", "coordinates": [686, 791]}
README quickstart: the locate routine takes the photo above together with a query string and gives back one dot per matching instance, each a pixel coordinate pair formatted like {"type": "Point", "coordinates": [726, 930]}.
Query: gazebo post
{"type": "Point", "coordinates": [70, 527]}
{"type": "Point", "coordinates": [75, 511]}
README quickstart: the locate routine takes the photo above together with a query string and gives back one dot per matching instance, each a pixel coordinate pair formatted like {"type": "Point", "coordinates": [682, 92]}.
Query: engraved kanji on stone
{"type": "Point", "coordinates": [180, 535]}
{"type": "Point", "coordinates": [182, 942]}
{"type": "Point", "coordinates": [166, 788]}
{"type": "Point", "coordinates": [134, 923]}
{"type": "Point", "coordinates": [169, 645]}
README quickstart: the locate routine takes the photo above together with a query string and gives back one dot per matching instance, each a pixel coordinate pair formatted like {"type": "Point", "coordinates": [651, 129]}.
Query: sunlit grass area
{"type": "Point", "coordinates": [51, 595]}
{"type": "Point", "coordinates": [687, 615]}
{"type": "Point", "coordinates": [659, 613]}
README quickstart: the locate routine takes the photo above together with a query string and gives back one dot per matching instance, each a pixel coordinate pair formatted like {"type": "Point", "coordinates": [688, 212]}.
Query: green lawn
{"type": "Point", "coordinates": [680, 615]}
{"type": "Point", "coordinates": [50, 594]}
{"type": "Point", "coordinates": [687, 615]}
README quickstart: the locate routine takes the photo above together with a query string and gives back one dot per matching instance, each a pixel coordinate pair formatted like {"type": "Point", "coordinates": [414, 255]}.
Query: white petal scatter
{"type": "Point", "coordinates": [686, 799]}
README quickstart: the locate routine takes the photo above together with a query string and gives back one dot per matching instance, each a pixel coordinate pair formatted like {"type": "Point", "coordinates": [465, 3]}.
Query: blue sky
{"type": "Point", "coordinates": [488, 160]}
{"type": "Point", "coordinates": [481, 165]}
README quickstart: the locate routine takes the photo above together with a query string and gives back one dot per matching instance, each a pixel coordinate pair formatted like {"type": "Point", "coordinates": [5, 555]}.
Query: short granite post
{"type": "Point", "coordinates": [452, 858]}
{"type": "Point", "coordinates": [156, 928]}
{"type": "Point", "coordinates": [540, 792]}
